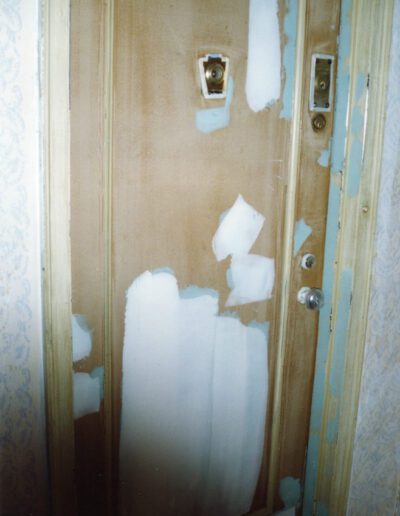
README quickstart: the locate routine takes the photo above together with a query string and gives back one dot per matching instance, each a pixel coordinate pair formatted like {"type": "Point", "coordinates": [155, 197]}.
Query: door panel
{"type": "Point", "coordinates": [172, 182]}
{"type": "Point", "coordinates": [159, 200]}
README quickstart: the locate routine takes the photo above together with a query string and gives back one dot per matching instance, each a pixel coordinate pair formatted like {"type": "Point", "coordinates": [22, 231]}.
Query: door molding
{"type": "Point", "coordinates": [356, 166]}
{"type": "Point", "coordinates": [288, 239]}
{"type": "Point", "coordinates": [57, 263]}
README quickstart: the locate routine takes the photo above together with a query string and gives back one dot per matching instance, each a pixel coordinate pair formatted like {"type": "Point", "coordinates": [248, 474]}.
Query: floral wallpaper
{"type": "Point", "coordinates": [375, 481]}
{"type": "Point", "coordinates": [23, 475]}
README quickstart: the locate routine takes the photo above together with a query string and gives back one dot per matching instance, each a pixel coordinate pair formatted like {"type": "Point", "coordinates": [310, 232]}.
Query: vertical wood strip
{"type": "Point", "coordinates": [342, 338]}
{"type": "Point", "coordinates": [287, 255]}
{"type": "Point", "coordinates": [371, 37]}
{"type": "Point", "coordinates": [108, 195]}
{"type": "Point", "coordinates": [57, 277]}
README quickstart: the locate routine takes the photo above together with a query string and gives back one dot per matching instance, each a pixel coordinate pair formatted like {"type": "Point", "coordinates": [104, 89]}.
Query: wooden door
{"type": "Point", "coordinates": [148, 191]}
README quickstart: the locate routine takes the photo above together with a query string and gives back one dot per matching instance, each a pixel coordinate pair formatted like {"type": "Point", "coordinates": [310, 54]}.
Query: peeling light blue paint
{"type": "Point", "coordinates": [262, 326]}
{"type": "Point", "coordinates": [324, 157]}
{"type": "Point", "coordinates": [301, 233]}
{"type": "Point", "coordinates": [337, 370]}
{"type": "Point", "coordinates": [229, 279]}
{"type": "Point", "coordinates": [361, 84]}
{"type": "Point", "coordinates": [356, 145]}
{"type": "Point", "coordinates": [357, 122]}
{"type": "Point", "coordinates": [209, 120]}
{"type": "Point", "coordinates": [289, 57]}
{"type": "Point", "coordinates": [354, 168]}
{"type": "Point", "coordinates": [193, 291]}
{"type": "Point", "coordinates": [337, 162]}
{"type": "Point", "coordinates": [290, 491]}
{"type": "Point", "coordinates": [332, 429]}
{"type": "Point", "coordinates": [321, 509]}
{"type": "Point", "coordinates": [162, 270]}
{"type": "Point", "coordinates": [98, 372]}
{"type": "Point", "coordinates": [342, 89]}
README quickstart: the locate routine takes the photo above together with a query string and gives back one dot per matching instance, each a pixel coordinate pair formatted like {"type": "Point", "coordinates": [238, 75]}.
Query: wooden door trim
{"type": "Point", "coordinates": [288, 239]}
{"type": "Point", "coordinates": [108, 80]}
{"type": "Point", "coordinates": [57, 263]}
{"type": "Point", "coordinates": [366, 44]}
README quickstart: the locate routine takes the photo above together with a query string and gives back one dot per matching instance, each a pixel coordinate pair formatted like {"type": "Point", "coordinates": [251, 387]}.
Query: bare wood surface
{"type": "Point", "coordinates": [171, 182]}
{"type": "Point", "coordinates": [57, 274]}
{"type": "Point", "coordinates": [322, 21]}
{"type": "Point", "coordinates": [87, 233]}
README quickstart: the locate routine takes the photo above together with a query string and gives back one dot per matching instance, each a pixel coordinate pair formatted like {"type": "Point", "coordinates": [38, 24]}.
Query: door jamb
{"type": "Point", "coordinates": [57, 262]}
{"type": "Point", "coordinates": [363, 69]}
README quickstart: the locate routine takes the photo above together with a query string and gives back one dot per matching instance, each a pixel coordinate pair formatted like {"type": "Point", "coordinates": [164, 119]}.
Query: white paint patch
{"type": "Point", "coordinates": [252, 277]}
{"type": "Point", "coordinates": [194, 391]}
{"type": "Point", "coordinates": [81, 338]}
{"type": "Point", "coordinates": [87, 393]}
{"type": "Point", "coordinates": [263, 81]}
{"type": "Point", "coordinates": [238, 230]}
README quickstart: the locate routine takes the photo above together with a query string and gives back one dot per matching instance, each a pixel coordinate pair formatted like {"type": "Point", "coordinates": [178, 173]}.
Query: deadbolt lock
{"type": "Point", "coordinates": [308, 261]}
{"type": "Point", "coordinates": [214, 70]}
{"type": "Point", "coordinates": [318, 122]}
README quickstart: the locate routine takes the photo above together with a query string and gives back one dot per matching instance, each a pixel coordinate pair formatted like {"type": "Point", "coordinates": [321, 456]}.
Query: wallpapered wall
{"type": "Point", "coordinates": [23, 474]}
{"type": "Point", "coordinates": [374, 487]}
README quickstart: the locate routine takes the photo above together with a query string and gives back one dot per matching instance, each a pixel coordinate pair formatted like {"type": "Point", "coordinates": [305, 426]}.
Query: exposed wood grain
{"type": "Point", "coordinates": [57, 275]}
{"type": "Point", "coordinates": [87, 232]}
{"type": "Point", "coordinates": [311, 204]}
{"type": "Point", "coordinates": [171, 182]}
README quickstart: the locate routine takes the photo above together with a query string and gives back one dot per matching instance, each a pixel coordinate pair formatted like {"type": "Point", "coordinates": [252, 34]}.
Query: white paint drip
{"type": "Point", "coordinates": [194, 391]}
{"type": "Point", "coordinates": [252, 278]}
{"type": "Point", "coordinates": [263, 81]}
{"type": "Point", "coordinates": [87, 393]}
{"type": "Point", "coordinates": [238, 230]}
{"type": "Point", "coordinates": [81, 338]}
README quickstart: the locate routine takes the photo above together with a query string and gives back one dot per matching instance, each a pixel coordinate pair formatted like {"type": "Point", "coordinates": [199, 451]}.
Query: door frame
{"type": "Point", "coordinates": [55, 20]}
{"type": "Point", "coordinates": [351, 246]}
{"type": "Point", "coordinates": [364, 49]}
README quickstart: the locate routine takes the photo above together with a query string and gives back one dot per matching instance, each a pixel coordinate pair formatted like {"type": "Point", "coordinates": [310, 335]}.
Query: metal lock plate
{"type": "Point", "coordinates": [214, 70]}
{"type": "Point", "coordinates": [321, 83]}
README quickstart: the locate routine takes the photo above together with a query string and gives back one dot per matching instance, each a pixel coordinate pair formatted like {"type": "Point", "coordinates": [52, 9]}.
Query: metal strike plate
{"type": "Point", "coordinates": [321, 90]}
{"type": "Point", "coordinates": [214, 70]}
